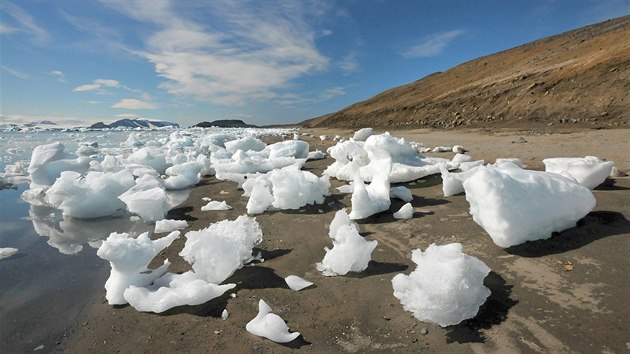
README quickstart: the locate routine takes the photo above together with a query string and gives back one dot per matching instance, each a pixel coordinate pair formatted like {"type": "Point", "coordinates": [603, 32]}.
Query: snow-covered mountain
{"type": "Point", "coordinates": [135, 123]}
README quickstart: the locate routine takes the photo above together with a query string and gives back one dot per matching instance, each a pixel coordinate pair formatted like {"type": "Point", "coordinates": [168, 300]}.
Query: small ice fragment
{"type": "Point", "coordinates": [225, 314]}
{"type": "Point", "coordinates": [405, 212]}
{"type": "Point", "coordinates": [168, 225]}
{"type": "Point", "coordinates": [216, 205]}
{"type": "Point", "coordinates": [224, 192]}
{"type": "Point", "coordinates": [7, 252]}
{"type": "Point", "coordinates": [270, 325]}
{"type": "Point", "coordinates": [296, 283]}
{"type": "Point", "coordinates": [401, 192]}
{"type": "Point", "coordinates": [206, 199]}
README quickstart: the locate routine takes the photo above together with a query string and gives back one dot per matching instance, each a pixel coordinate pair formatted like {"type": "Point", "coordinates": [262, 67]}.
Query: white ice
{"type": "Point", "coordinates": [286, 188]}
{"type": "Point", "coordinates": [129, 259]}
{"type": "Point", "coordinates": [48, 161]}
{"type": "Point", "coordinates": [350, 252]}
{"type": "Point", "coordinates": [405, 212]}
{"type": "Point", "coordinates": [362, 134]}
{"type": "Point", "coordinates": [270, 326]}
{"type": "Point", "coordinates": [183, 175]}
{"type": "Point", "coordinates": [148, 198]}
{"type": "Point", "coordinates": [296, 283]}
{"type": "Point", "coordinates": [316, 155]}
{"type": "Point", "coordinates": [217, 251]}
{"type": "Point", "coordinates": [374, 198]}
{"type": "Point", "coordinates": [169, 225]}
{"type": "Point", "coordinates": [91, 196]}
{"type": "Point", "coordinates": [153, 157]}
{"type": "Point", "coordinates": [215, 205]}
{"type": "Point", "coordinates": [515, 205]}
{"type": "Point", "coordinates": [171, 290]}
{"type": "Point", "coordinates": [589, 171]}
{"type": "Point", "coordinates": [445, 288]}
{"type": "Point", "coordinates": [7, 252]}
{"type": "Point", "coordinates": [245, 144]}
{"type": "Point", "coordinates": [401, 192]}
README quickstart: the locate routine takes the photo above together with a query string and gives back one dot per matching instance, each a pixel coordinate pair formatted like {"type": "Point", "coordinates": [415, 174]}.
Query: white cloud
{"type": "Point", "coordinates": [23, 22]}
{"type": "Point", "coordinates": [432, 45]}
{"type": "Point", "coordinates": [18, 74]}
{"type": "Point", "coordinates": [256, 53]}
{"type": "Point", "coordinates": [127, 116]}
{"type": "Point", "coordinates": [59, 76]}
{"type": "Point", "coordinates": [97, 85]}
{"type": "Point", "coordinates": [132, 103]}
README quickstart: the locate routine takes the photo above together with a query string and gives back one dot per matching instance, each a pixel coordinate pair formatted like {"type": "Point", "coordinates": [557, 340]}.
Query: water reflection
{"type": "Point", "coordinates": [68, 235]}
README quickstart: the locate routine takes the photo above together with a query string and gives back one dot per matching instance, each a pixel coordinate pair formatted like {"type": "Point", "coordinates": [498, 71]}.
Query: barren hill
{"type": "Point", "coordinates": [579, 78]}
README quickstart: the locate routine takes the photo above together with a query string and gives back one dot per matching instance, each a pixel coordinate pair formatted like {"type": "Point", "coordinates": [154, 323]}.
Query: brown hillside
{"type": "Point", "coordinates": [579, 78]}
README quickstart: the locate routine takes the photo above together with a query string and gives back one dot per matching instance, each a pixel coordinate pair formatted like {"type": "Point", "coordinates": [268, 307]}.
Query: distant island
{"type": "Point", "coordinates": [134, 123]}
{"type": "Point", "coordinates": [225, 123]}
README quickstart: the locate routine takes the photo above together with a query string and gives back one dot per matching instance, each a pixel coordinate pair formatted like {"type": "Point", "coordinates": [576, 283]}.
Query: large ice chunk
{"type": "Point", "coordinates": [286, 188]}
{"type": "Point", "coordinates": [217, 251]}
{"type": "Point", "coordinates": [149, 156]}
{"type": "Point", "coordinates": [374, 198]}
{"type": "Point", "coordinates": [289, 148]}
{"type": "Point", "coordinates": [129, 259]}
{"type": "Point", "coordinates": [445, 288]}
{"type": "Point", "coordinates": [515, 205]}
{"type": "Point", "coordinates": [246, 144]}
{"type": "Point", "coordinates": [92, 196]}
{"type": "Point", "coordinates": [147, 198]}
{"type": "Point", "coordinates": [48, 161]}
{"type": "Point", "coordinates": [362, 134]}
{"type": "Point", "coordinates": [169, 225]}
{"type": "Point", "coordinates": [269, 325]}
{"type": "Point", "coordinates": [171, 290]}
{"type": "Point", "coordinates": [589, 171]}
{"type": "Point", "coordinates": [183, 175]}
{"type": "Point", "coordinates": [350, 252]}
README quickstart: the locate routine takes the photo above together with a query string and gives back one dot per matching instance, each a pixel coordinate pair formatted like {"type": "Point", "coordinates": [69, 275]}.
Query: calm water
{"type": "Point", "coordinates": [56, 271]}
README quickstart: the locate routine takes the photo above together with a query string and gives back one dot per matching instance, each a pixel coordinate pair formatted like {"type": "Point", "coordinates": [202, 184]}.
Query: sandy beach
{"type": "Point", "coordinates": [538, 303]}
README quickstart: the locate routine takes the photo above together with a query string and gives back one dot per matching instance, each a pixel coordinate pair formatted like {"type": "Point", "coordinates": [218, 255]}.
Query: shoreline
{"type": "Point", "coordinates": [535, 305]}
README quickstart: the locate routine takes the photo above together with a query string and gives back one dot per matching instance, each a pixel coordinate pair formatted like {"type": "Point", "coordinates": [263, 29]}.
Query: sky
{"type": "Point", "coordinates": [264, 62]}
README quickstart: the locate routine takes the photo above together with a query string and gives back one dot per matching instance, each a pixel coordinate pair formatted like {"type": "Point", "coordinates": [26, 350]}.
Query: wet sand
{"type": "Point", "coordinates": [536, 305]}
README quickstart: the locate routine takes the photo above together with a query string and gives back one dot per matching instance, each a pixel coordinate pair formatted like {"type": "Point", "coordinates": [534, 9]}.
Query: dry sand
{"type": "Point", "coordinates": [536, 304]}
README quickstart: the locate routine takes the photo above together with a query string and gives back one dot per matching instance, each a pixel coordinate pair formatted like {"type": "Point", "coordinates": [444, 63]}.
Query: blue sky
{"type": "Point", "coordinates": [264, 62]}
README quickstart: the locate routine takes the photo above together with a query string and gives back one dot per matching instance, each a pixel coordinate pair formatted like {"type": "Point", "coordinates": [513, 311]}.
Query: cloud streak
{"type": "Point", "coordinates": [255, 55]}
{"type": "Point", "coordinates": [59, 76]}
{"type": "Point", "coordinates": [16, 73]}
{"type": "Point", "coordinates": [132, 103]}
{"type": "Point", "coordinates": [432, 45]}
{"type": "Point", "coordinates": [24, 22]}
{"type": "Point", "coordinates": [97, 84]}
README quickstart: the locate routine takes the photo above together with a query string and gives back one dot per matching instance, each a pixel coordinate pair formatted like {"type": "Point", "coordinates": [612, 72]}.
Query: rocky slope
{"type": "Point", "coordinates": [579, 78]}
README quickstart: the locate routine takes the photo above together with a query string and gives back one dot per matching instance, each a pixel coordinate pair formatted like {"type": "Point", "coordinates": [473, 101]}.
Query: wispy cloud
{"type": "Point", "coordinates": [97, 84]}
{"type": "Point", "coordinates": [291, 100]}
{"type": "Point", "coordinates": [16, 73]}
{"type": "Point", "coordinates": [59, 76]}
{"type": "Point", "coordinates": [23, 22]}
{"type": "Point", "coordinates": [127, 116]}
{"type": "Point", "coordinates": [349, 64]}
{"type": "Point", "coordinates": [254, 55]}
{"type": "Point", "coordinates": [132, 103]}
{"type": "Point", "coordinates": [432, 45]}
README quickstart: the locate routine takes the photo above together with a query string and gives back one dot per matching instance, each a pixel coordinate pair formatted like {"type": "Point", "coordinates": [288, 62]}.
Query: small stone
{"type": "Point", "coordinates": [424, 330]}
{"type": "Point", "coordinates": [218, 331]}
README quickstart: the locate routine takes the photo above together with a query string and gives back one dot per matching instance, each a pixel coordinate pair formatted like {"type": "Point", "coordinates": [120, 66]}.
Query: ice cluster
{"type": "Point", "coordinates": [48, 161]}
{"type": "Point", "coordinates": [350, 252]}
{"type": "Point", "coordinates": [515, 205]}
{"type": "Point", "coordinates": [445, 288]}
{"type": "Point", "coordinates": [270, 326]}
{"type": "Point", "coordinates": [589, 171]}
{"type": "Point", "coordinates": [286, 188]}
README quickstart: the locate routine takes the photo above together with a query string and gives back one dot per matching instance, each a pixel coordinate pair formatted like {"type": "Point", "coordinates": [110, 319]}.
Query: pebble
{"type": "Point", "coordinates": [424, 330]}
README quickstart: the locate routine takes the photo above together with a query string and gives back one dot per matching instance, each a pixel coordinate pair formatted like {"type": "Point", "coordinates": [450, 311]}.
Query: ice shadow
{"type": "Point", "coordinates": [332, 202]}
{"type": "Point", "coordinates": [268, 255]}
{"type": "Point", "coordinates": [594, 226]}
{"type": "Point", "coordinates": [388, 215]}
{"type": "Point", "coordinates": [610, 184]}
{"type": "Point", "coordinates": [424, 182]}
{"type": "Point", "coordinates": [297, 343]}
{"type": "Point", "coordinates": [378, 268]}
{"type": "Point", "coordinates": [256, 277]}
{"type": "Point", "coordinates": [493, 312]}
{"type": "Point", "coordinates": [213, 308]}
{"type": "Point", "coordinates": [181, 213]}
